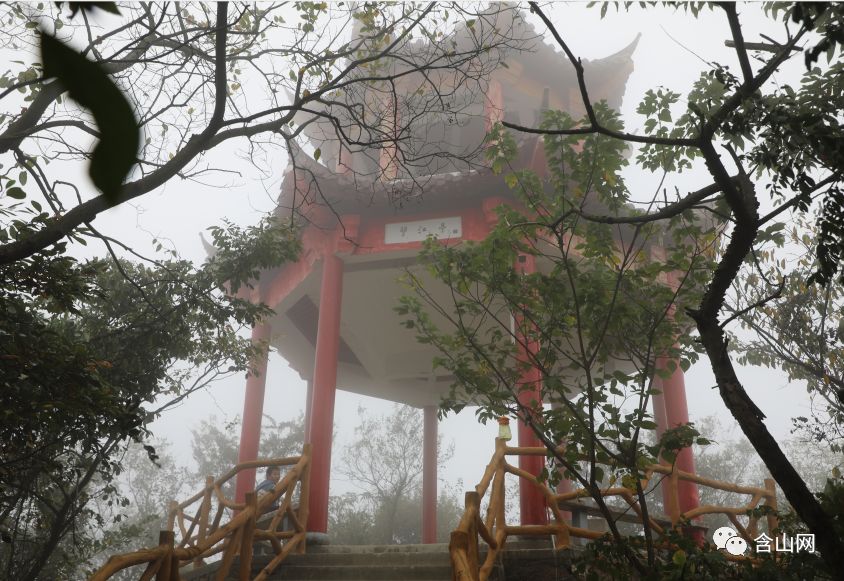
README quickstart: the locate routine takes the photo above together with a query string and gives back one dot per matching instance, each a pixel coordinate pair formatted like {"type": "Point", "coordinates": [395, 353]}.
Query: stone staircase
{"type": "Point", "coordinates": [531, 560]}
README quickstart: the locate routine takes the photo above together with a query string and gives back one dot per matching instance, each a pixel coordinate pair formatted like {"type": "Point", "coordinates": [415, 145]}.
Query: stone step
{"type": "Point", "coordinates": [373, 572]}
{"type": "Point", "coordinates": [386, 558]}
{"type": "Point", "coordinates": [433, 549]}
{"type": "Point", "coordinates": [520, 560]}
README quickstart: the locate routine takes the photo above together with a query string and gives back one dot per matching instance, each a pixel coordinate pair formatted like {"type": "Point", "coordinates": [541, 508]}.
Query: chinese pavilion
{"type": "Point", "coordinates": [335, 322]}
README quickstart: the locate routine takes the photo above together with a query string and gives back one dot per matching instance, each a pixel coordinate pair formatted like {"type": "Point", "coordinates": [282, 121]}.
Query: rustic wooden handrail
{"type": "Point", "coordinates": [204, 537]}
{"type": "Point", "coordinates": [494, 530]}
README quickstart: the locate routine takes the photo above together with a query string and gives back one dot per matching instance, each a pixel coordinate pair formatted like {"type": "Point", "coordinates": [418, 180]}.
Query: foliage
{"type": "Point", "coordinates": [162, 86]}
{"type": "Point", "coordinates": [215, 448]}
{"type": "Point", "coordinates": [89, 346]}
{"type": "Point", "coordinates": [358, 519]}
{"type": "Point", "coordinates": [592, 317]}
{"type": "Point", "coordinates": [85, 345]}
{"type": "Point", "coordinates": [145, 487]}
{"type": "Point", "coordinates": [799, 328]}
{"type": "Point", "coordinates": [91, 353]}
{"type": "Point", "coordinates": [729, 459]}
{"type": "Point", "coordinates": [588, 323]}
{"type": "Point", "coordinates": [385, 462]}
{"type": "Point", "coordinates": [241, 254]}
{"type": "Point", "coordinates": [604, 559]}
{"type": "Point", "coordinates": [732, 459]}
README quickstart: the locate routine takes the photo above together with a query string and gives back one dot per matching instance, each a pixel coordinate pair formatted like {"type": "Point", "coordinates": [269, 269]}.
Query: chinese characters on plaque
{"type": "Point", "coordinates": [418, 230]}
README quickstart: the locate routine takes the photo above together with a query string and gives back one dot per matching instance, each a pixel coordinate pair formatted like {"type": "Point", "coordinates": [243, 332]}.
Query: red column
{"type": "Point", "coordinates": [658, 406]}
{"type": "Point", "coordinates": [677, 414]}
{"type": "Point", "coordinates": [531, 499]}
{"type": "Point", "coordinates": [661, 420]}
{"type": "Point", "coordinates": [429, 476]}
{"type": "Point", "coordinates": [253, 409]}
{"type": "Point", "coordinates": [309, 397]}
{"type": "Point", "coordinates": [324, 390]}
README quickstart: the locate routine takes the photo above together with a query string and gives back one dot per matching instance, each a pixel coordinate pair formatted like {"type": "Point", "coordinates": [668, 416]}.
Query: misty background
{"type": "Point", "coordinates": [673, 49]}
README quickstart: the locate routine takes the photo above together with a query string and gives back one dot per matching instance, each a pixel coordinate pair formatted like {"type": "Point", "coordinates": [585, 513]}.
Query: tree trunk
{"type": "Point", "coordinates": [749, 418]}
{"type": "Point", "coordinates": [744, 207]}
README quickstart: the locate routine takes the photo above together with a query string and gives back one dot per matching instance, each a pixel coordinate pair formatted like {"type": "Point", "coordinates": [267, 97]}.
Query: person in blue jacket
{"type": "Point", "coordinates": [272, 476]}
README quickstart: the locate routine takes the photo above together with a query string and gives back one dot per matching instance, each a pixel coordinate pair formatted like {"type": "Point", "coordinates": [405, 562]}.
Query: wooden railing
{"type": "Point", "coordinates": [464, 545]}
{"type": "Point", "coordinates": [202, 533]}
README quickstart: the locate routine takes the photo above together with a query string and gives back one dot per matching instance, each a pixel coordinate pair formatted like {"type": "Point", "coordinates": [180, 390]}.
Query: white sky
{"type": "Point", "coordinates": [180, 210]}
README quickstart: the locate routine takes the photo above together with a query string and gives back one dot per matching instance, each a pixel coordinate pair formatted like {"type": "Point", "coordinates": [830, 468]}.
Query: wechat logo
{"type": "Point", "coordinates": [729, 540]}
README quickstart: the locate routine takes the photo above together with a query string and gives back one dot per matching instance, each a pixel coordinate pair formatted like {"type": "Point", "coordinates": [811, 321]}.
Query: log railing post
{"type": "Point", "coordinates": [496, 497]}
{"type": "Point", "coordinates": [174, 567]}
{"type": "Point", "coordinates": [460, 568]}
{"type": "Point", "coordinates": [165, 541]}
{"type": "Point", "coordinates": [171, 515]}
{"type": "Point", "coordinates": [473, 505]}
{"type": "Point", "coordinates": [673, 496]}
{"type": "Point", "coordinates": [304, 493]}
{"type": "Point", "coordinates": [247, 537]}
{"type": "Point", "coordinates": [204, 512]}
{"type": "Point", "coordinates": [771, 501]}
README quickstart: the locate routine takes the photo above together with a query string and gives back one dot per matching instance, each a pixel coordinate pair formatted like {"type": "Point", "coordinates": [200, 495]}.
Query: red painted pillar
{"type": "Point", "coordinates": [531, 500]}
{"type": "Point", "coordinates": [677, 414]}
{"type": "Point", "coordinates": [429, 476]}
{"type": "Point", "coordinates": [325, 387]}
{"type": "Point", "coordinates": [253, 409]}
{"type": "Point", "coordinates": [661, 420]}
{"type": "Point", "coordinates": [309, 400]}
{"type": "Point", "coordinates": [658, 406]}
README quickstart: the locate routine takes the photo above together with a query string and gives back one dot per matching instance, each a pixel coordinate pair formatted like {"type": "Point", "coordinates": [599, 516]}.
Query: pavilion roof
{"type": "Point", "coordinates": [308, 182]}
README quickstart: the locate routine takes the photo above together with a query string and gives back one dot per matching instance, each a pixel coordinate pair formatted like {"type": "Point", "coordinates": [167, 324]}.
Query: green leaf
{"type": "Point", "coordinates": [16, 193]}
{"type": "Point", "coordinates": [317, 154]}
{"type": "Point", "coordinates": [116, 152]}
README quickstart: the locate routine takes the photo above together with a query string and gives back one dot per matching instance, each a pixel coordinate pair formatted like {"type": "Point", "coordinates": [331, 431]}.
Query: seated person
{"type": "Point", "coordinates": [273, 475]}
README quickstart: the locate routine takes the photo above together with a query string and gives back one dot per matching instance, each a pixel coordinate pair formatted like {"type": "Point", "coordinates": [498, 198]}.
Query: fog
{"type": "Point", "coordinates": [673, 49]}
